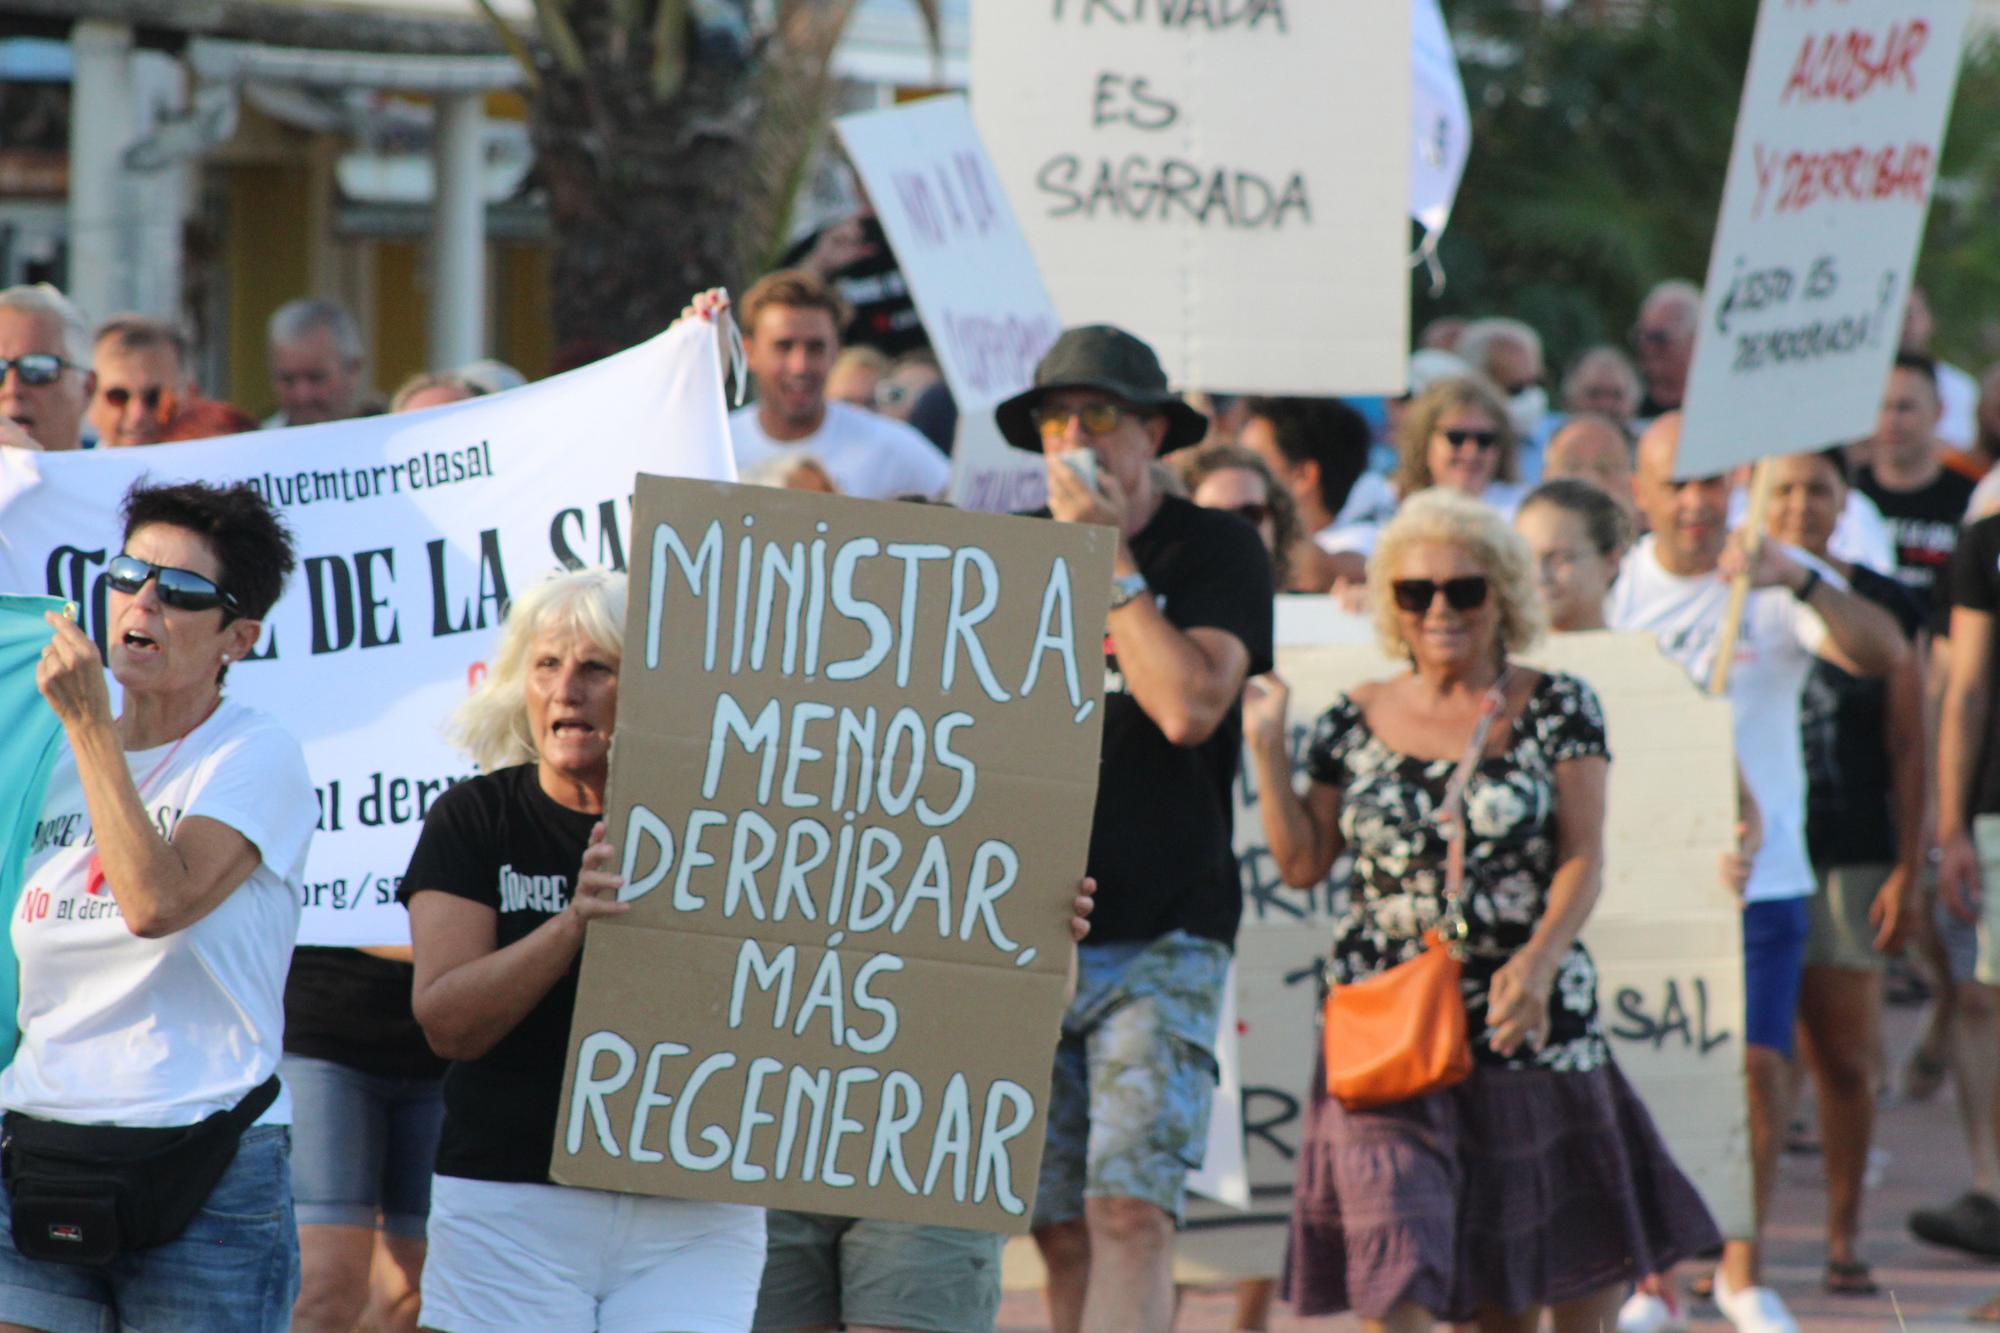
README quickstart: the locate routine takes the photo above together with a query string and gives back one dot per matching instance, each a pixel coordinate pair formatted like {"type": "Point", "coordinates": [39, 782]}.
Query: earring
{"type": "Point", "coordinates": [225, 659]}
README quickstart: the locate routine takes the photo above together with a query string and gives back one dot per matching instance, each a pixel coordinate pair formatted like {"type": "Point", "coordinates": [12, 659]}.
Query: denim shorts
{"type": "Point", "coordinates": [1134, 1077]}
{"type": "Point", "coordinates": [823, 1271]}
{"type": "Point", "coordinates": [362, 1145]}
{"type": "Point", "coordinates": [1774, 959]}
{"type": "Point", "coordinates": [234, 1270]}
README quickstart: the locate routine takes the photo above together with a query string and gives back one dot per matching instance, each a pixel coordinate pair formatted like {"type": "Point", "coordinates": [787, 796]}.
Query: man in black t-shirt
{"type": "Point", "coordinates": [1191, 612]}
{"type": "Point", "coordinates": [1969, 913]}
{"type": "Point", "coordinates": [1922, 500]}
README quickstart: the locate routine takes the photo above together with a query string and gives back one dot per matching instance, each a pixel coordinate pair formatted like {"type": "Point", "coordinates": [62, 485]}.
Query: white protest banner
{"type": "Point", "coordinates": [856, 765]}
{"type": "Point", "coordinates": [1830, 179]}
{"type": "Point", "coordinates": [1666, 937]}
{"type": "Point", "coordinates": [1217, 176]}
{"type": "Point", "coordinates": [412, 532]}
{"type": "Point", "coordinates": [1441, 130]}
{"type": "Point", "coordinates": [972, 277]}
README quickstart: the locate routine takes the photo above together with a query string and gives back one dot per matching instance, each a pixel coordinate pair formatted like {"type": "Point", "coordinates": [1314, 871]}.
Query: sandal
{"type": "Point", "coordinates": [1850, 1277]}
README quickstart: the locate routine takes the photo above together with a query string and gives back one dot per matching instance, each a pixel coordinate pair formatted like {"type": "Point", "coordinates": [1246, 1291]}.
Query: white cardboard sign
{"type": "Point", "coordinates": [1227, 179]}
{"type": "Point", "coordinates": [972, 276]}
{"type": "Point", "coordinates": [1830, 179]}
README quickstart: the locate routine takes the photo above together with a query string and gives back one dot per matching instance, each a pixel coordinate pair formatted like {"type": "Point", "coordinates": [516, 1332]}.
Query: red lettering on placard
{"type": "Point", "coordinates": [1854, 175]}
{"type": "Point", "coordinates": [1847, 66]}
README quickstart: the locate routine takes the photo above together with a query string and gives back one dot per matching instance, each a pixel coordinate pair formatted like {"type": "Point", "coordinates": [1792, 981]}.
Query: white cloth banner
{"type": "Point", "coordinates": [971, 275]}
{"type": "Point", "coordinates": [1830, 179]}
{"type": "Point", "coordinates": [412, 532]}
{"type": "Point", "coordinates": [1441, 124]}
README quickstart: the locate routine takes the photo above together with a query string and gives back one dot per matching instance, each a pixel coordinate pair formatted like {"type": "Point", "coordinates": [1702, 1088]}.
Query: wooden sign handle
{"type": "Point", "coordinates": [1739, 587]}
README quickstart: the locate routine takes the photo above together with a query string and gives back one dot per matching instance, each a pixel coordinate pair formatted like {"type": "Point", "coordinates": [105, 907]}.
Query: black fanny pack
{"type": "Point", "coordinates": [85, 1194]}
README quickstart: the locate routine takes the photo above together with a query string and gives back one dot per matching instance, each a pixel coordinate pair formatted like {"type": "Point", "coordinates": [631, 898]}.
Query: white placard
{"type": "Point", "coordinates": [971, 275]}
{"type": "Point", "coordinates": [412, 532]}
{"type": "Point", "coordinates": [1224, 178]}
{"type": "Point", "coordinates": [1830, 179]}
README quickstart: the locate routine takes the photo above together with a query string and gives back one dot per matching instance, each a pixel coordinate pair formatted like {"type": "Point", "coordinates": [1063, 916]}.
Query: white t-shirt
{"type": "Point", "coordinates": [868, 456]}
{"type": "Point", "coordinates": [1774, 653]}
{"type": "Point", "coordinates": [116, 1029]}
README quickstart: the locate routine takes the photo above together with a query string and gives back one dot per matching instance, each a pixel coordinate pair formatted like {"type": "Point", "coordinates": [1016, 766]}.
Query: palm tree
{"type": "Point", "coordinates": [671, 137]}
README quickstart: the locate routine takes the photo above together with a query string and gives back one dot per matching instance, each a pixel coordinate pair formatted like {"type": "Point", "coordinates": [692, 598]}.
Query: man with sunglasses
{"type": "Point", "coordinates": [141, 370]}
{"type": "Point", "coordinates": [1191, 610]}
{"type": "Point", "coordinates": [45, 383]}
{"type": "Point", "coordinates": [1675, 585]}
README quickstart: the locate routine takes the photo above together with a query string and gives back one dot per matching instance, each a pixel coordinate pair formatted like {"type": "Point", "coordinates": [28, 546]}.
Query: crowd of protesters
{"type": "Point", "coordinates": [1490, 504]}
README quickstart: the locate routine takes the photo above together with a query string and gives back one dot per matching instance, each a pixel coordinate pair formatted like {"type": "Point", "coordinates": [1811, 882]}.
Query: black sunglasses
{"type": "Point", "coordinates": [1416, 595]}
{"type": "Point", "coordinates": [1485, 439]}
{"type": "Point", "coordinates": [181, 588]}
{"type": "Point", "coordinates": [34, 368]}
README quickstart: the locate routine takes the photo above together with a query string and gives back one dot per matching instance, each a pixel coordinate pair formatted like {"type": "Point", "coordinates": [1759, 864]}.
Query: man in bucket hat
{"type": "Point", "coordinates": [1190, 620]}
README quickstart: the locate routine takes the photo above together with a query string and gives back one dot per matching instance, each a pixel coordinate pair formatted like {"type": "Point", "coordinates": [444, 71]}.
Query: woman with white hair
{"type": "Point", "coordinates": [1471, 792]}
{"type": "Point", "coordinates": [510, 867]}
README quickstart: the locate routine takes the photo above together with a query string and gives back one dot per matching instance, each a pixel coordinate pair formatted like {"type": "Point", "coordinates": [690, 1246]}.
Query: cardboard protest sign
{"type": "Point", "coordinates": [1215, 176]}
{"type": "Point", "coordinates": [1830, 179]}
{"type": "Point", "coordinates": [972, 277]}
{"type": "Point", "coordinates": [1666, 938]}
{"type": "Point", "coordinates": [412, 532]}
{"type": "Point", "coordinates": [852, 787]}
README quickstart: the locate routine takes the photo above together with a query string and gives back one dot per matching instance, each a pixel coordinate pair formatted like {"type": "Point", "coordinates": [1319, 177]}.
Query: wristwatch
{"type": "Point", "coordinates": [1804, 591]}
{"type": "Point", "coordinates": [1125, 588]}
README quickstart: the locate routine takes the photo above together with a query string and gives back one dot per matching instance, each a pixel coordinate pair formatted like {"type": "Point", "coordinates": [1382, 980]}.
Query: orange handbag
{"type": "Point", "coordinates": [1402, 1033]}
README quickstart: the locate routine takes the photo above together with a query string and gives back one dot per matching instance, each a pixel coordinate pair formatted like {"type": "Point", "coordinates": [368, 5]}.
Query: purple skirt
{"type": "Point", "coordinates": [1514, 1189]}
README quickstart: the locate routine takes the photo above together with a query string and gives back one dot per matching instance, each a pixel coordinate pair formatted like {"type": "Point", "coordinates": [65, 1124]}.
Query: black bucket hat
{"type": "Point", "coordinates": [1098, 356]}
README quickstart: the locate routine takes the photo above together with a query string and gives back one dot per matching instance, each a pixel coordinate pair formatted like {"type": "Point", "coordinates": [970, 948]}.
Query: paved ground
{"type": "Point", "coordinates": [1933, 1287]}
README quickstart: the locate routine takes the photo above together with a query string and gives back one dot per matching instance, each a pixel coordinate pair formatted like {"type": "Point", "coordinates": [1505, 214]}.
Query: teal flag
{"type": "Point", "coordinates": [30, 739]}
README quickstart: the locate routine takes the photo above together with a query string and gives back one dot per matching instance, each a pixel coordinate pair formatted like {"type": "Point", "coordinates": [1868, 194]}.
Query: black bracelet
{"type": "Point", "coordinates": [1804, 591]}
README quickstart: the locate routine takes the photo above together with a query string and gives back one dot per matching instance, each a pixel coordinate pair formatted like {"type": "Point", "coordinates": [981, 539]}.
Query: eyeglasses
{"type": "Point", "coordinates": [1098, 419]}
{"type": "Point", "coordinates": [1416, 595]}
{"type": "Point", "coordinates": [1458, 439]}
{"type": "Point", "coordinates": [1651, 337]}
{"type": "Point", "coordinates": [181, 588]}
{"type": "Point", "coordinates": [34, 368]}
{"type": "Point", "coordinates": [154, 398]}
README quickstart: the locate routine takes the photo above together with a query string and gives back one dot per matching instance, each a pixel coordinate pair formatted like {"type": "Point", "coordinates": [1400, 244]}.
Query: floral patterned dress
{"type": "Point", "coordinates": [1397, 891]}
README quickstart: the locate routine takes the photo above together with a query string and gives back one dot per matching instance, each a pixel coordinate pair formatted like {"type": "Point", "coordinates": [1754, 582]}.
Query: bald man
{"type": "Point", "coordinates": [1594, 449]}
{"type": "Point", "coordinates": [1675, 584]}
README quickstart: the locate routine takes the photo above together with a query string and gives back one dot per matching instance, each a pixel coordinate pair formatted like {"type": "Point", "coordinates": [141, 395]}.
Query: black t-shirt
{"type": "Point", "coordinates": [1843, 720]}
{"type": "Point", "coordinates": [1161, 849]}
{"type": "Point", "coordinates": [499, 840]}
{"type": "Point", "coordinates": [1974, 583]}
{"type": "Point", "coordinates": [1924, 525]}
{"type": "Point", "coordinates": [885, 317]}
{"type": "Point", "coordinates": [354, 1009]}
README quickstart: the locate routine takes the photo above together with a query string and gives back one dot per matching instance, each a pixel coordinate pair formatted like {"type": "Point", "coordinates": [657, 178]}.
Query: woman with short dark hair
{"type": "Point", "coordinates": [159, 904]}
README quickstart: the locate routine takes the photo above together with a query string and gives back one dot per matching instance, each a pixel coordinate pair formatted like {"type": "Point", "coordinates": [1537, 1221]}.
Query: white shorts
{"type": "Point", "coordinates": [551, 1259]}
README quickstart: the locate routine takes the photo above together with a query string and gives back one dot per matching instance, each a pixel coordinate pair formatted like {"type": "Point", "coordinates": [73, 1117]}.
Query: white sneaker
{"type": "Point", "coordinates": [1754, 1309]}
{"type": "Point", "coordinates": [1645, 1313]}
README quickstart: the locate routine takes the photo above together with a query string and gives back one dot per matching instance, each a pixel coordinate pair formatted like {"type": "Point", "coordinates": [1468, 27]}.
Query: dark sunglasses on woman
{"type": "Point", "coordinates": [180, 588]}
{"type": "Point", "coordinates": [1458, 439]}
{"type": "Point", "coordinates": [1416, 595]}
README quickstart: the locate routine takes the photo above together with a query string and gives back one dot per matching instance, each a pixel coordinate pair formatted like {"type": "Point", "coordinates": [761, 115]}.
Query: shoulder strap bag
{"type": "Point", "coordinates": [1401, 1033]}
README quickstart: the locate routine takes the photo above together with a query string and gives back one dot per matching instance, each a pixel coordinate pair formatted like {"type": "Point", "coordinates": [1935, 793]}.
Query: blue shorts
{"type": "Point", "coordinates": [363, 1146]}
{"type": "Point", "coordinates": [1134, 1075]}
{"type": "Point", "coordinates": [1774, 958]}
{"type": "Point", "coordinates": [236, 1267]}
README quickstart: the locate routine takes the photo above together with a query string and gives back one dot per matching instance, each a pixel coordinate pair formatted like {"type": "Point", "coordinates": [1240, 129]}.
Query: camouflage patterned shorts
{"type": "Point", "coordinates": [1134, 1077]}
